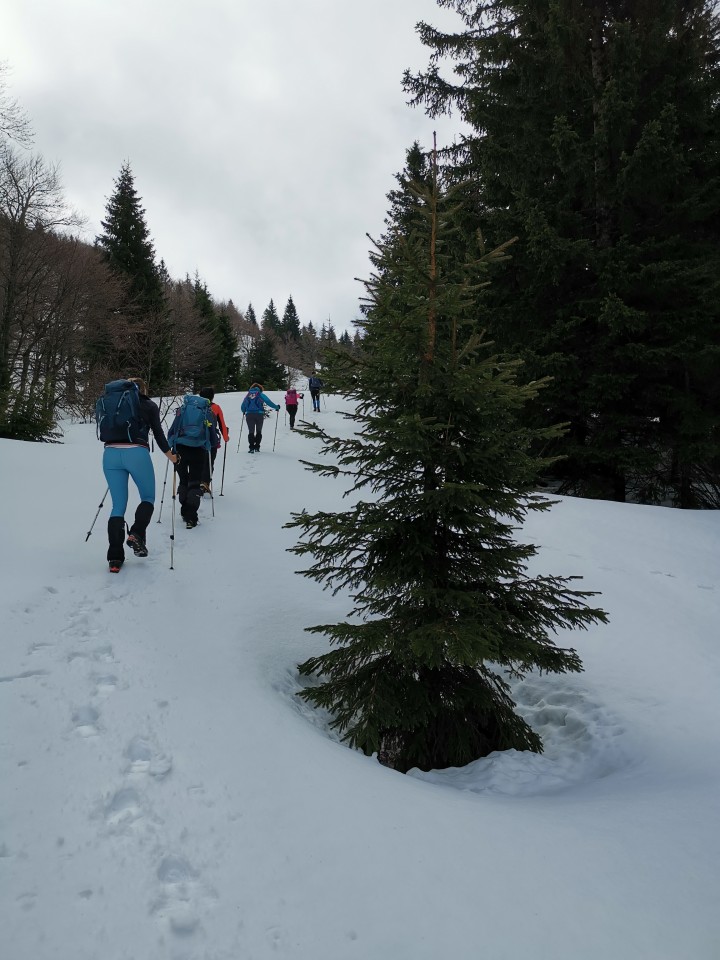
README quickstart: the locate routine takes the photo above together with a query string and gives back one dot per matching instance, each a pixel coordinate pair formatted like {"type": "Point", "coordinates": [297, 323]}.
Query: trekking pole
{"type": "Point", "coordinates": [97, 514]}
{"type": "Point", "coordinates": [162, 498]}
{"type": "Point", "coordinates": [324, 401]}
{"type": "Point", "coordinates": [242, 424]}
{"type": "Point", "coordinates": [222, 481]}
{"type": "Point", "coordinates": [172, 532]}
{"type": "Point", "coordinates": [277, 417]}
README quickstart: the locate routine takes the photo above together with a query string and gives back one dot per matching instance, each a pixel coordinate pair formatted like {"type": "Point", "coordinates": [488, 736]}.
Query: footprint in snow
{"type": "Point", "coordinates": [105, 684]}
{"type": "Point", "coordinates": [182, 899]}
{"type": "Point", "coordinates": [25, 675]}
{"type": "Point", "coordinates": [85, 720]}
{"type": "Point", "coordinates": [123, 808]}
{"type": "Point", "coordinates": [145, 759]}
{"type": "Point", "coordinates": [102, 654]}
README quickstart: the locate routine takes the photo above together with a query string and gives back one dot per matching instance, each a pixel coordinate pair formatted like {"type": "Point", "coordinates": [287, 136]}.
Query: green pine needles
{"type": "Point", "coordinates": [445, 612]}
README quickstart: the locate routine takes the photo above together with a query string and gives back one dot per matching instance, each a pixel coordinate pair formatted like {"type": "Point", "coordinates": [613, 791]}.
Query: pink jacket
{"type": "Point", "coordinates": [292, 397]}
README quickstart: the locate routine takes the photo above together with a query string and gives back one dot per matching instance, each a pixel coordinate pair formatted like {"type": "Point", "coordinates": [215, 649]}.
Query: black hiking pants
{"type": "Point", "coordinates": [255, 425]}
{"type": "Point", "coordinates": [315, 394]}
{"type": "Point", "coordinates": [292, 413]}
{"type": "Point", "coordinates": [189, 470]}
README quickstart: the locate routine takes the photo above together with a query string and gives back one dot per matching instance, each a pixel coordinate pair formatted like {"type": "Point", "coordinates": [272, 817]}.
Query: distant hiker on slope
{"type": "Point", "coordinates": [192, 436]}
{"type": "Point", "coordinates": [223, 434]}
{"type": "Point", "coordinates": [291, 404]}
{"type": "Point", "coordinates": [125, 415]}
{"type": "Point", "coordinates": [253, 406]}
{"type": "Point", "coordinates": [315, 385]}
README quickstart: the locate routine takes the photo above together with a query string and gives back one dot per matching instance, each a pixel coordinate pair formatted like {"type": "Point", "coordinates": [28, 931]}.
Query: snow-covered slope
{"type": "Point", "coordinates": [164, 795]}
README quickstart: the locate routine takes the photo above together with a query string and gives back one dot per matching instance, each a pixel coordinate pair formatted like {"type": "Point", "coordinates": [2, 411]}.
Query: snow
{"type": "Point", "coordinates": [165, 796]}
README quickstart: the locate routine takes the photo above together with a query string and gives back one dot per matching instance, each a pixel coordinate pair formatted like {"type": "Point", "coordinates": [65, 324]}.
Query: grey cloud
{"type": "Point", "coordinates": [263, 137]}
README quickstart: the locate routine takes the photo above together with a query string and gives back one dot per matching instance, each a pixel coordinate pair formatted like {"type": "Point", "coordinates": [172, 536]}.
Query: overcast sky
{"type": "Point", "coordinates": [263, 135]}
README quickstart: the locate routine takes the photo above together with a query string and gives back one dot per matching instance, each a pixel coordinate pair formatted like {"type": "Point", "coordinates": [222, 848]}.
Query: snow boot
{"type": "Point", "coordinates": [115, 565]}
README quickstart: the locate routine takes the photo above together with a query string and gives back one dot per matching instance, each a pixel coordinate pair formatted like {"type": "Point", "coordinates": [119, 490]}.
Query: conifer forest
{"type": "Point", "coordinates": [590, 156]}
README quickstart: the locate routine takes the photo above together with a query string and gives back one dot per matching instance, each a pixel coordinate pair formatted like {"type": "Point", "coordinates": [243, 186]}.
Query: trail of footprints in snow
{"type": "Point", "coordinates": [181, 898]}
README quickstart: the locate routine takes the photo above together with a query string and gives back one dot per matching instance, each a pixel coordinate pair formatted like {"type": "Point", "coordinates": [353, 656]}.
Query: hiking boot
{"type": "Point", "coordinates": [138, 545]}
{"type": "Point", "coordinates": [190, 524]}
{"type": "Point", "coordinates": [114, 565]}
{"type": "Point", "coordinates": [205, 487]}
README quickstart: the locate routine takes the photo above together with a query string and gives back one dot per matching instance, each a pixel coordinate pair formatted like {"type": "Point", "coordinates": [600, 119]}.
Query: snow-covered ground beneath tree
{"type": "Point", "coordinates": [165, 796]}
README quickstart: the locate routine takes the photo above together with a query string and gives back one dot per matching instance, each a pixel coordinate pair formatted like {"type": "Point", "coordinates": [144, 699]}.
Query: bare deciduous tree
{"type": "Point", "coordinates": [14, 122]}
{"type": "Point", "coordinates": [32, 206]}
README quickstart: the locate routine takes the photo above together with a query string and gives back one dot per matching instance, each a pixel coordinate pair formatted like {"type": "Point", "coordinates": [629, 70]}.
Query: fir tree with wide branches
{"type": "Point", "coordinates": [593, 134]}
{"type": "Point", "coordinates": [129, 251]}
{"type": "Point", "coordinates": [445, 611]}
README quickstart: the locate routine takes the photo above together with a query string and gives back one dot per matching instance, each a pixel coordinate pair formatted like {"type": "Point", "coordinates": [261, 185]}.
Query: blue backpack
{"type": "Point", "coordinates": [194, 426]}
{"type": "Point", "coordinates": [117, 414]}
{"type": "Point", "coordinates": [254, 403]}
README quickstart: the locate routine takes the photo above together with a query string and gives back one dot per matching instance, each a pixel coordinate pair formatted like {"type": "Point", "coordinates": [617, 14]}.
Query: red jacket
{"type": "Point", "coordinates": [222, 426]}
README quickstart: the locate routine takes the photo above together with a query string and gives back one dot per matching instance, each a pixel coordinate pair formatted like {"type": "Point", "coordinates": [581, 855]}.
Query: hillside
{"type": "Point", "coordinates": [164, 796]}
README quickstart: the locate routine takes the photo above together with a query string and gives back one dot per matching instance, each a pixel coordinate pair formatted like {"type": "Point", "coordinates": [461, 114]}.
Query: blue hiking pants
{"type": "Point", "coordinates": [120, 463]}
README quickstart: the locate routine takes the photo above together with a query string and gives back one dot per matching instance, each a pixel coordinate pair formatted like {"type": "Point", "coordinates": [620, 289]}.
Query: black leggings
{"type": "Point", "coordinates": [189, 471]}
{"type": "Point", "coordinates": [255, 425]}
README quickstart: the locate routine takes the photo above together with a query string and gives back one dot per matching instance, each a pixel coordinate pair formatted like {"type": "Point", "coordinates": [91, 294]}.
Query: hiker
{"type": "Point", "coordinates": [291, 404]}
{"type": "Point", "coordinates": [192, 436]}
{"type": "Point", "coordinates": [125, 415]}
{"type": "Point", "coordinates": [223, 434]}
{"type": "Point", "coordinates": [253, 406]}
{"type": "Point", "coordinates": [315, 384]}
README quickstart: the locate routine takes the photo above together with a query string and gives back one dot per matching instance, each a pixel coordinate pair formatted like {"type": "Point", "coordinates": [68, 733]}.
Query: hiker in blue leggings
{"type": "Point", "coordinates": [122, 460]}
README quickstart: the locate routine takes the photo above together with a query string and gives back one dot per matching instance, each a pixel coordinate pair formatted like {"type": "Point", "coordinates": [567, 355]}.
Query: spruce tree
{"type": "Point", "coordinates": [445, 610]}
{"type": "Point", "coordinates": [222, 370]}
{"type": "Point", "coordinates": [263, 365]}
{"type": "Point", "coordinates": [309, 345]}
{"type": "Point", "coordinates": [129, 251]}
{"type": "Point", "coordinates": [290, 324]}
{"type": "Point", "coordinates": [595, 138]}
{"type": "Point", "coordinates": [250, 315]}
{"type": "Point", "coordinates": [228, 348]}
{"type": "Point", "coordinates": [270, 321]}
